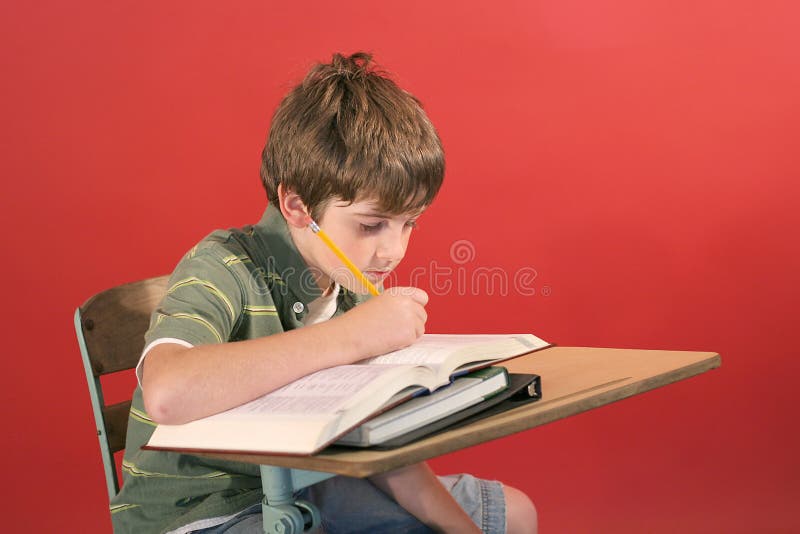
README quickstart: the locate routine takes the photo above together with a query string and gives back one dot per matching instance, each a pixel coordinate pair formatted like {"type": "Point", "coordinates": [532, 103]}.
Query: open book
{"type": "Point", "coordinates": [303, 417]}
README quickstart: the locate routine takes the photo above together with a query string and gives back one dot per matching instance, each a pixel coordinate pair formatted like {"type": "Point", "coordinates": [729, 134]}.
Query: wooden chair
{"type": "Point", "coordinates": [110, 327]}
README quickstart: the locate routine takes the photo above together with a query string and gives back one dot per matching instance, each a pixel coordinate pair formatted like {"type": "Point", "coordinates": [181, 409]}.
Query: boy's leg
{"type": "Point", "coordinates": [356, 505]}
{"type": "Point", "coordinates": [521, 515]}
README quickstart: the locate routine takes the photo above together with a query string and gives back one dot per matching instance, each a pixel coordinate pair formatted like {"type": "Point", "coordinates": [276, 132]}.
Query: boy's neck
{"type": "Point", "coordinates": [328, 290]}
{"type": "Point", "coordinates": [299, 237]}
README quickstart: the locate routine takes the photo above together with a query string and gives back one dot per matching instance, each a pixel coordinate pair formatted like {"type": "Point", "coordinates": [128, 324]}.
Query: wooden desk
{"type": "Point", "coordinates": [574, 379]}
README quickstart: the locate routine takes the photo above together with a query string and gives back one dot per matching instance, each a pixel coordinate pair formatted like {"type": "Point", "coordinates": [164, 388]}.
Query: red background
{"type": "Point", "coordinates": [642, 157]}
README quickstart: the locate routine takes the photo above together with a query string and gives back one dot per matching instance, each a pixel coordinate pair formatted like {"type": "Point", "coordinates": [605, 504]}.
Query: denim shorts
{"type": "Point", "coordinates": [353, 505]}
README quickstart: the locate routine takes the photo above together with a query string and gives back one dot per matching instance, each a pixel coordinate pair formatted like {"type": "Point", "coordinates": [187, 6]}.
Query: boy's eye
{"type": "Point", "coordinates": [368, 228]}
{"type": "Point", "coordinates": [374, 227]}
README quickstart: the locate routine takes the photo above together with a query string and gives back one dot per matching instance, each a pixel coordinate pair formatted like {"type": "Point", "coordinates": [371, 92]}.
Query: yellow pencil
{"type": "Point", "coordinates": [350, 265]}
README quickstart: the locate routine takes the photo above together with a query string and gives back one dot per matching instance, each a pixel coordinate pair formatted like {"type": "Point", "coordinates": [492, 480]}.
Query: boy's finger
{"type": "Point", "coordinates": [417, 295]}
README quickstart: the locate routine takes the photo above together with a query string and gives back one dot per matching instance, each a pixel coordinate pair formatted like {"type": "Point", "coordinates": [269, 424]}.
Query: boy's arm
{"type": "Point", "coordinates": [181, 384]}
{"type": "Point", "coordinates": [416, 488]}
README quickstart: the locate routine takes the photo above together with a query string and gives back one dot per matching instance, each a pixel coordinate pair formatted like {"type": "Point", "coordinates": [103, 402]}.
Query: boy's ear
{"type": "Point", "coordinates": [293, 208]}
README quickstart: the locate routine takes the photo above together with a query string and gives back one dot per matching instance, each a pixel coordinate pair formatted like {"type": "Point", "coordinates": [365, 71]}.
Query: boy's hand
{"type": "Point", "coordinates": [392, 320]}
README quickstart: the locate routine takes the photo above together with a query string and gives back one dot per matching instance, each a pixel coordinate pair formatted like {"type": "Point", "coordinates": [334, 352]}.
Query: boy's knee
{"type": "Point", "coordinates": [521, 514]}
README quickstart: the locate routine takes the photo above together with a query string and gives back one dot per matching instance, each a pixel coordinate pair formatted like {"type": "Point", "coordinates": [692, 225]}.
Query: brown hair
{"type": "Point", "coordinates": [348, 131]}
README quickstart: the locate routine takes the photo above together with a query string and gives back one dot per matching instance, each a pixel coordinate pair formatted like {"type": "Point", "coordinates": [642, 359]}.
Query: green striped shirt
{"type": "Point", "coordinates": [235, 284]}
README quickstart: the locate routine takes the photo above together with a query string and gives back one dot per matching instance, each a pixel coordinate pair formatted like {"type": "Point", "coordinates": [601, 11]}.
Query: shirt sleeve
{"type": "Point", "coordinates": [155, 343]}
{"type": "Point", "coordinates": [202, 304]}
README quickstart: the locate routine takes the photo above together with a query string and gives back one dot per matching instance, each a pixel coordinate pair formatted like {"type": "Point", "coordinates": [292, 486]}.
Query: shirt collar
{"type": "Point", "coordinates": [284, 259]}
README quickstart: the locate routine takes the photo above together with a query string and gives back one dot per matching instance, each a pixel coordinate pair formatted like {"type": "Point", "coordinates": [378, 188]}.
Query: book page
{"type": "Point", "coordinates": [433, 349]}
{"type": "Point", "coordinates": [323, 392]}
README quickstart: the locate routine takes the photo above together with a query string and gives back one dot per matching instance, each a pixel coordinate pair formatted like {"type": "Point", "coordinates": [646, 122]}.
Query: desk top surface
{"type": "Point", "coordinates": [574, 380]}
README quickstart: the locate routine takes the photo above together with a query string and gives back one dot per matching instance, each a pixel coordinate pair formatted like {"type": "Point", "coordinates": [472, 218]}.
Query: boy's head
{"type": "Point", "coordinates": [349, 133]}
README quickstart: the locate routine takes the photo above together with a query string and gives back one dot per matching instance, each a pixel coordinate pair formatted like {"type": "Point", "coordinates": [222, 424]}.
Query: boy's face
{"type": "Point", "coordinates": [374, 241]}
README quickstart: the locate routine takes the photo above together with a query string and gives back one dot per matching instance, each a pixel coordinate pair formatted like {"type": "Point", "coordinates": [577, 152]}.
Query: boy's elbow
{"type": "Point", "coordinates": [159, 404]}
{"type": "Point", "coordinates": [160, 393]}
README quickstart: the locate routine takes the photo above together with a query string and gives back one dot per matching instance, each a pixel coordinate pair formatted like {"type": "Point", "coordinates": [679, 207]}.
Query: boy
{"type": "Point", "coordinates": [249, 310]}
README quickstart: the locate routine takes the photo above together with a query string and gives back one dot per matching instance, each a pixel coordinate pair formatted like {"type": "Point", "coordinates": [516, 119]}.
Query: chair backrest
{"type": "Point", "coordinates": [110, 328]}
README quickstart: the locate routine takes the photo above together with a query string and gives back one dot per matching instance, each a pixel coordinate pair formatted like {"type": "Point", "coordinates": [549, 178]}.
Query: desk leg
{"type": "Point", "coordinates": [282, 513]}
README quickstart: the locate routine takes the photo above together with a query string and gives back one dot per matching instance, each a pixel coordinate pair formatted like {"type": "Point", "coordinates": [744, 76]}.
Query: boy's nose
{"type": "Point", "coordinates": [392, 248]}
